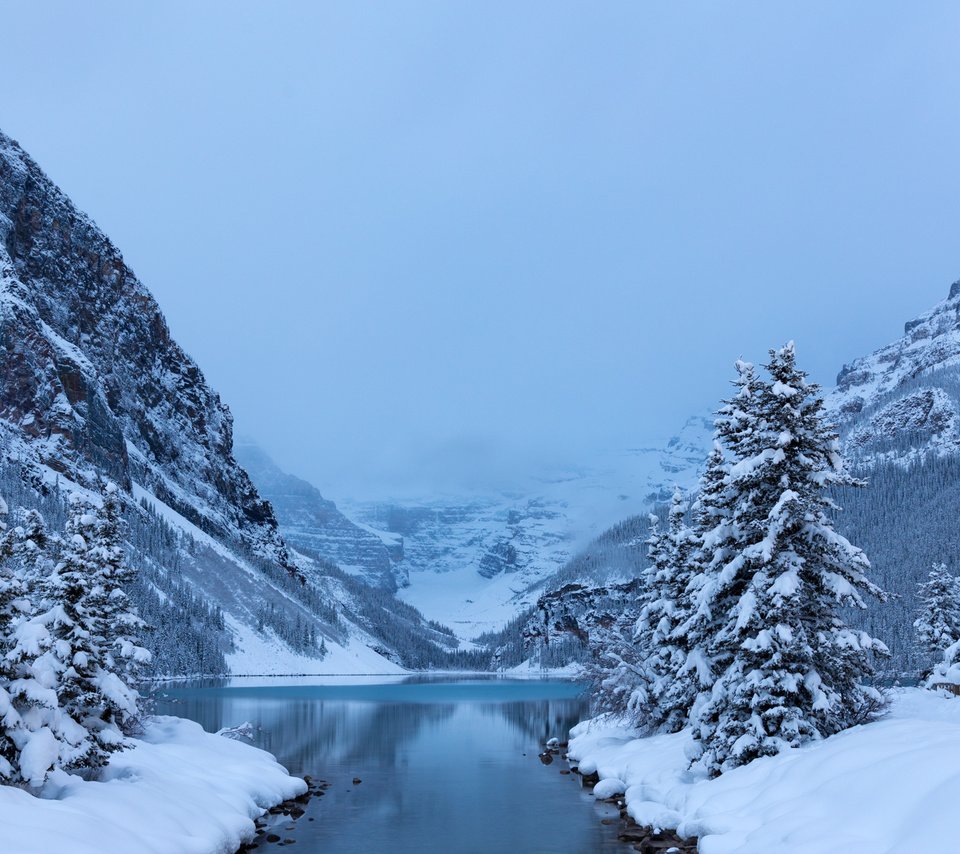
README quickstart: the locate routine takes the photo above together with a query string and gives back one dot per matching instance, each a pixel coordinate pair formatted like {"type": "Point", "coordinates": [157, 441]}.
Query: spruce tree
{"type": "Point", "coordinates": [121, 626]}
{"type": "Point", "coordinates": [788, 668]}
{"type": "Point", "coordinates": [638, 636]}
{"type": "Point", "coordinates": [76, 594]}
{"type": "Point", "coordinates": [938, 621]}
{"type": "Point", "coordinates": [717, 578]}
{"type": "Point", "coordinates": [667, 656]}
{"type": "Point", "coordinates": [11, 589]}
{"type": "Point", "coordinates": [693, 674]}
{"type": "Point", "coordinates": [938, 625]}
{"type": "Point", "coordinates": [46, 736]}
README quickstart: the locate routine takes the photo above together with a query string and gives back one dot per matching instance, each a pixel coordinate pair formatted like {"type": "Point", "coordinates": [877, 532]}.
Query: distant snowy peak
{"type": "Point", "coordinates": [930, 343]}
{"type": "Point", "coordinates": [474, 563]}
{"type": "Point", "coordinates": [90, 377]}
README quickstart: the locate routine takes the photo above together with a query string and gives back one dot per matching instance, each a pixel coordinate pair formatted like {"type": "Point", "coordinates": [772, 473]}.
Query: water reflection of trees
{"type": "Point", "coordinates": [541, 719]}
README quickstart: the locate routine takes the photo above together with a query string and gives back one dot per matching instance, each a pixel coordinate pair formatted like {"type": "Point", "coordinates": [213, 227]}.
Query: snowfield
{"type": "Point", "coordinates": [181, 789]}
{"type": "Point", "coordinates": [889, 786]}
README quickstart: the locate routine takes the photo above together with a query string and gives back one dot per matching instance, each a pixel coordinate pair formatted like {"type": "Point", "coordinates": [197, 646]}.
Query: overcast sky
{"type": "Point", "coordinates": [404, 236]}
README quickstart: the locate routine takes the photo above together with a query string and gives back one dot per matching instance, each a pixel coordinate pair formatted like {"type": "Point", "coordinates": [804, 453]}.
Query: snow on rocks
{"type": "Point", "coordinates": [883, 787]}
{"type": "Point", "coordinates": [179, 789]}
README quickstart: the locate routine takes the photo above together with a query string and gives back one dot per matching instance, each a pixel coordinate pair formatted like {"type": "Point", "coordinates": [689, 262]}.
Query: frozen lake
{"type": "Point", "coordinates": [447, 765]}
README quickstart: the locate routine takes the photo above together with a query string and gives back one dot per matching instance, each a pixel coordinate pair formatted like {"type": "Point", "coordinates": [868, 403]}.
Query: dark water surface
{"type": "Point", "coordinates": [447, 766]}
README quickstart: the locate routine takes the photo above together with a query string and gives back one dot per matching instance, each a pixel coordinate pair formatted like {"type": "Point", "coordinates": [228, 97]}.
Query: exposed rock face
{"type": "Point", "coordinates": [930, 343]}
{"type": "Point", "coordinates": [312, 524]}
{"type": "Point", "coordinates": [902, 402]}
{"type": "Point", "coordinates": [90, 377]}
{"type": "Point", "coordinates": [922, 421]}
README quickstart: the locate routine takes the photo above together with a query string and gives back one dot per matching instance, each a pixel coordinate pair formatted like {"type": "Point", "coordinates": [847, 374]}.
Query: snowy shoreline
{"type": "Point", "coordinates": [882, 787]}
{"type": "Point", "coordinates": [178, 789]}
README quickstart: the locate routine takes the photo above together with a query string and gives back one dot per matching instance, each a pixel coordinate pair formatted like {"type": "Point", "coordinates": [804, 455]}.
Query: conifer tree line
{"type": "Point", "coordinates": [738, 627]}
{"type": "Point", "coordinates": [70, 649]}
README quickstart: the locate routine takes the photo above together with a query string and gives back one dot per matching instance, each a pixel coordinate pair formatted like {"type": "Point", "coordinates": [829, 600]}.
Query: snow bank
{"type": "Point", "coordinates": [180, 789]}
{"type": "Point", "coordinates": [885, 787]}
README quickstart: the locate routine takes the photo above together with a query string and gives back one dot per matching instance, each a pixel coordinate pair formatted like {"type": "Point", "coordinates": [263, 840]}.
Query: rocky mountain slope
{"type": "Point", "coordinates": [900, 403]}
{"type": "Point", "coordinates": [92, 379]}
{"type": "Point", "coordinates": [312, 524]}
{"type": "Point", "coordinates": [899, 413]}
{"type": "Point", "coordinates": [92, 387]}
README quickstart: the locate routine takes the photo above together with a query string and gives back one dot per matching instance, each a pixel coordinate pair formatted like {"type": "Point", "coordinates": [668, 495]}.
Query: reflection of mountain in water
{"type": "Point", "coordinates": [440, 764]}
{"type": "Point", "coordinates": [307, 734]}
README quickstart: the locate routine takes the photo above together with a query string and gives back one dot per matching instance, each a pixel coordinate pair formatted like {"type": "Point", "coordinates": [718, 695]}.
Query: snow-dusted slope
{"type": "Point", "coordinates": [178, 789]}
{"type": "Point", "coordinates": [887, 787]}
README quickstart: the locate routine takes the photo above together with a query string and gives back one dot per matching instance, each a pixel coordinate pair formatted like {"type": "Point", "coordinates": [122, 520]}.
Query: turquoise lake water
{"type": "Point", "coordinates": [447, 765]}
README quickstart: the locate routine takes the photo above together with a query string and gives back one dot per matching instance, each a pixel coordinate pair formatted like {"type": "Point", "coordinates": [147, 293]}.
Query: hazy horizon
{"type": "Point", "coordinates": [437, 246]}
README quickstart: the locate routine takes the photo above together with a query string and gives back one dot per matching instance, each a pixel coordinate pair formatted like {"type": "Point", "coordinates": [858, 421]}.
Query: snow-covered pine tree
{"type": "Point", "coordinates": [789, 669]}
{"type": "Point", "coordinates": [662, 616]}
{"type": "Point", "coordinates": [11, 589]}
{"type": "Point", "coordinates": [123, 652]}
{"type": "Point", "coordinates": [716, 572]}
{"type": "Point", "coordinates": [938, 621]}
{"type": "Point", "coordinates": [77, 592]}
{"type": "Point", "coordinates": [938, 625]}
{"type": "Point", "coordinates": [45, 737]}
{"type": "Point", "coordinates": [692, 674]}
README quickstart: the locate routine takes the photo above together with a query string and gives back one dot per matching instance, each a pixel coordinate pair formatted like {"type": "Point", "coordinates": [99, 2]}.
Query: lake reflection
{"type": "Point", "coordinates": [447, 765]}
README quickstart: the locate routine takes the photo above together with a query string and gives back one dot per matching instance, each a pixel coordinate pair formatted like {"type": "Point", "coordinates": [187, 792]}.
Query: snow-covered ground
{"type": "Point", "coordinates": [890, 786]}
{"type": "Point", "coordinates": [179, 790]}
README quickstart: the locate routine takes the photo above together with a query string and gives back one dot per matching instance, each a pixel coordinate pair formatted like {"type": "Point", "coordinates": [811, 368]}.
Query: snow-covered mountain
{"type": "Point", "coordinates": [92, 379]}
{"type": "Point", "coordinates": [93, 386]}
{"type": "Point", "coordinates": [898, 409]}
{"type": "Point", "coordinates": [474, 562]}
{"type": "Point", "coordinates": [902, 402]}
{"type": "Point", "coordinates": [265, 574]}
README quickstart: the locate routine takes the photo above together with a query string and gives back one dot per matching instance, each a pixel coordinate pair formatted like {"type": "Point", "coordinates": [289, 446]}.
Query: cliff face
{"type": "Point", "coordinates": [313, 525]}
{"type": "Point", "coordinates": [901, 403]}
{"type": "Point", "coordinates": [92, 381]}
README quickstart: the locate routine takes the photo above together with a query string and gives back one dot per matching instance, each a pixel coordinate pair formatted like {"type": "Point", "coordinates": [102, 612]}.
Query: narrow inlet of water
{"type": "Point", "coordinates": [446, 765]}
